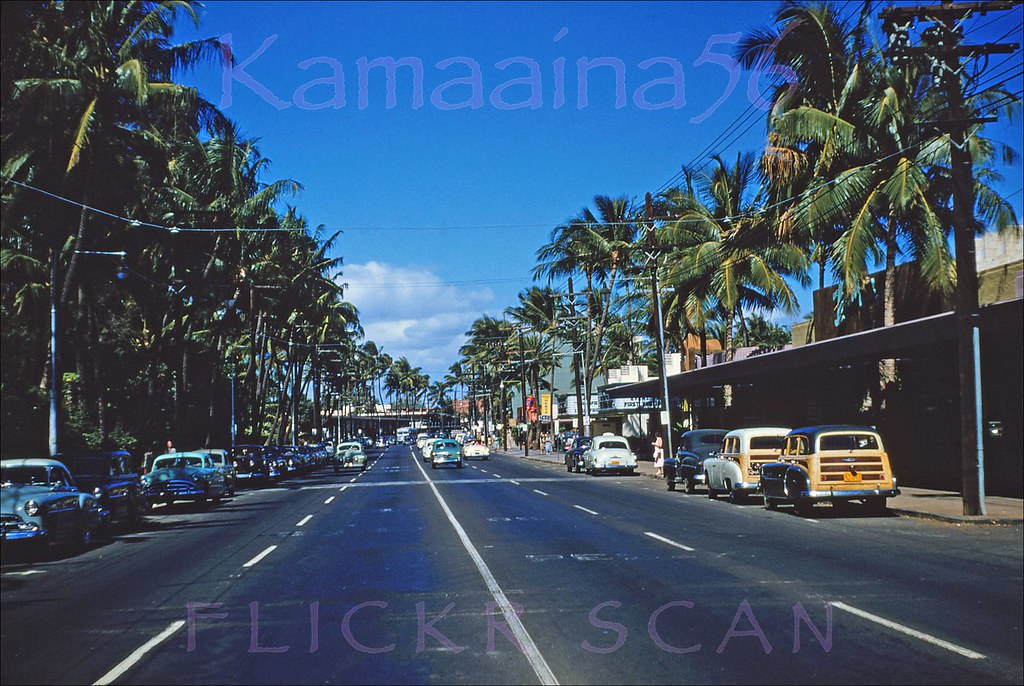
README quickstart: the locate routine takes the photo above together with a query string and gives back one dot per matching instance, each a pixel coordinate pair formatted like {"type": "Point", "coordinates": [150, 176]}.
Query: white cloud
{"type": "Point", "coordinates": [413, 312]}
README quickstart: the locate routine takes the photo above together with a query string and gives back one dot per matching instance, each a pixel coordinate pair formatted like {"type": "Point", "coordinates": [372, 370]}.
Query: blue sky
{"type": "Point", "coordinates": [443, 207]}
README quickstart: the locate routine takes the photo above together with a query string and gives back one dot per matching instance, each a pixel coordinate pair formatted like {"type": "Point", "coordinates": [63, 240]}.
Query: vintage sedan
{"type": "Point", "coordinates": [609, 453]}
{"type": "Point", "coordinates": [832, 463]}
{"type": "Point", "coordinates": [251, 464]}
{"type": "Point", "coordinates": [40, 504]}
{"type": "Point", "coordinates": [108, 476]}
{"type": "Point", "coordinates": [686, 468]}
{"type": "Point", "coordinates": [476, 449]}
{"type": "Point", "coordinates": [736, 470]}
{"type": "Point", "coordinates": [445, 451]}
{"type": "Point", "coordinates": [222, 462]}
{"type": "Point", "coordinates": [184, 476]}
{"type": "Point", "coordinates": [574, 455]}
{"type": "Point", "coordinates": [351, 454]}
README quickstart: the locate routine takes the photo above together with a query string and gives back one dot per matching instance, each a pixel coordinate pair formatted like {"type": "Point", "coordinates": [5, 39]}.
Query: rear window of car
{"type": "Point", "coordinates": [849, 442]}
{"type": "Point", "coordinates": [766, 442]}
{"type": "Point", "coordinates": [616, 445]}
{"type": "Point", "coordinates": [712, 439]}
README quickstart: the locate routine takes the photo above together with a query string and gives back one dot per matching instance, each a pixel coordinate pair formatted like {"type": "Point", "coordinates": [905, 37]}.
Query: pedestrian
{"type": "Point", "coordinates": [170, 446]}
{"type": "Point", "coordinates": [547, 444]}
{"type": "Point", "coordinates": [659, 457]}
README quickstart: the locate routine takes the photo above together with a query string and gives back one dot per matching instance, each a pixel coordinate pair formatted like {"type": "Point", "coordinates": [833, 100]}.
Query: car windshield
{"type": "Point", "coordinates": [87, 464]}
{"type": "Point", "coordinates": [615, 445]}
{"type": "Point", "coordinates": [178, 462]}
{"type": "Point", "coordinates": [39, 476]}
{"type": "Point", "coordinates": [711, 439]}
{"type": "Point", "coordinates": [442, 445]}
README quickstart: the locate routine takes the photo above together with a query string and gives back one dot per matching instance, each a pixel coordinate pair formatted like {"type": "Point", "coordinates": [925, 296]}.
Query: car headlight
{"type": "Point", "coordinates": [31, 508]}
{"type": "Point", "coordinates": [145, 481]}
{"type": "Point", "coordinates": [98, 493]}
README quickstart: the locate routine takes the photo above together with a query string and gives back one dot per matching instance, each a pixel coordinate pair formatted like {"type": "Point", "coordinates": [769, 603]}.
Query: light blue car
{"type": "Point", "coordinates": [40, 503]}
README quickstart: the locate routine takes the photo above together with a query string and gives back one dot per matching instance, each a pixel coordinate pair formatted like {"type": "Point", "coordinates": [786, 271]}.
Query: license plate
{"type": "Point", "coordinates": [848, 476]}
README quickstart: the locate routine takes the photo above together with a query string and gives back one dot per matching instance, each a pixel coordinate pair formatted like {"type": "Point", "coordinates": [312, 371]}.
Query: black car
{"type": "Point", "coordinates": [687, 467]}
{"type": "Point", "coordinates": [574, 457]}
{"type": "Point", "coordinates": [251, 465]}
{"type": "Point", "coordinates": [108, 477]}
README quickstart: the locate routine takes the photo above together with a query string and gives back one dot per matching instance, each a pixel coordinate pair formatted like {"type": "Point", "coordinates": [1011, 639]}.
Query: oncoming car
{"type": "Point", "coordinates": [445, 451]}
{"type": "Point", "coordinates": [609, 453]}
{"type": "Point", "coordinates": [40, 504]}
{"type": "Point", "coordinates": [351, 454]}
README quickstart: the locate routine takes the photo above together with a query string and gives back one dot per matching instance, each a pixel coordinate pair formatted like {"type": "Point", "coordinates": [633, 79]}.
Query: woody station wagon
{"type": "Point", "coordinates": [735, 470]}
{"type": "Point", "coordinates": [837, 464]}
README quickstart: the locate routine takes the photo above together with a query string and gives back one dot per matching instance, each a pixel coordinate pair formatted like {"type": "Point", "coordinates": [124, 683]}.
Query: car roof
{"type": "Point", "coordinates": [31, 462]}
{"type": "Point", "coordinates": [813, 432]}
{"type": "Point", "coordinates": [184, 453]}
{"type": "Point", "coordinates": [703, 432]}
{"type": "Point", "coordinates": [756, 431]}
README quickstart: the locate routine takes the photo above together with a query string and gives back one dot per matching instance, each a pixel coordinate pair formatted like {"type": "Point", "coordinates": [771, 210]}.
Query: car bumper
{"type": "Point", "coordinates": [850, 495]}
{"type": "Point", "coordinates": [24, 531]}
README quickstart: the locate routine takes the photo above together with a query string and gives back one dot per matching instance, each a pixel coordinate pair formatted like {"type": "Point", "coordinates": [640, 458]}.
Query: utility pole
{"type": "Point", "coordinates": [656, 296]}
{"type": "Point", "coordinates": [943, 50]}
{"type": "Point", "coordinates": [522, 381]}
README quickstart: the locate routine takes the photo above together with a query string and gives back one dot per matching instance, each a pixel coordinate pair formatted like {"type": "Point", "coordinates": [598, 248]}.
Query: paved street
{"type": "Point", "coordinates": [404, 574]}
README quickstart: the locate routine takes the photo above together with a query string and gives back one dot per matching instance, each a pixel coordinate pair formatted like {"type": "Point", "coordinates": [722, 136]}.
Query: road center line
{"type": "Point", "coordinates": [920, 635]}
{"type": "Point", "coordinates": [496, 475]}
{"type": "Point", "coordinates": [343, 489]}
{"type": "Point", "coordinates": [302, 522]}
{"type": "Point", "coordinates": [513, 481]}
{"type": "Point", "coordinates": [668, 541]}
{"type": "Point", "coordinates": [329, 500]}
{"type": "Point", "coordinates": [130, 661]}
{"type": "Point", "coordinates": [256, 560]}
{"type": "Point", "coordinates": [588, 511]}
{"type": "Point", "coordinates": [533, 655]}
{"type": "Point", "coordinates": [541, 492]}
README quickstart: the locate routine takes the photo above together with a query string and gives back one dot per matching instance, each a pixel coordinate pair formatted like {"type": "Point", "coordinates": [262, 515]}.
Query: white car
{"type": "Point", "coordinates": [609, 453]}
{"type": "Point", "coordinates": [478, 450]}
{"type": "Point", "coordinates": [736, 469]}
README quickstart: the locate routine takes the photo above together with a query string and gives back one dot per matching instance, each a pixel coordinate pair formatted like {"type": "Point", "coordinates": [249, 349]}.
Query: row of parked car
{"type": "Point", "coordinates": [837, 463]}
{"type": "Point", "coordinates": [72, 497]}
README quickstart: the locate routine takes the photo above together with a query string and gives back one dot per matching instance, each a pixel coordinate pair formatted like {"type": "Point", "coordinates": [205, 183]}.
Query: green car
{"type": "Point", "coordinates": [350, 454]}
{"type": "Point", "coordinates": [445, 451]}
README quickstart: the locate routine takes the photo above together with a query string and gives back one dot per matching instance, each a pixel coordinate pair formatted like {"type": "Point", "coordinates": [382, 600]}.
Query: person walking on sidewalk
{"type": "Point", "coordinates": [659, 457]}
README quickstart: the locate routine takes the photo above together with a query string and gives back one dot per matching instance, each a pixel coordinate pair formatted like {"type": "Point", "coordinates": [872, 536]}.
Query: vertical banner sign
{"type": "Point", "coordinates": [531, 408]}
{"type": "Point", "coordinates": [545, 406]}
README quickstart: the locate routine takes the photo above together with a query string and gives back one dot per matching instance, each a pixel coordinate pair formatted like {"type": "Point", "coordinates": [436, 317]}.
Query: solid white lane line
{"type": "Point", "coordinates": [329, 500]}
{"type": "Point", "coordinates": [130, 661]}
{"type": "Point", "coordinates": [920, 635]}
{"type": "Point", "coordinates": [302, 522]}
{"type": "Point", "coordinates": [588, 511]}
{"type": "Point", "coordinates": [256, 560]}
{"type": "Point", "coordinates": [540, 492]}
{"type": "Point", "coordinates": [668, 540]}
{"type": "Point", "coordinates": [532, 653]}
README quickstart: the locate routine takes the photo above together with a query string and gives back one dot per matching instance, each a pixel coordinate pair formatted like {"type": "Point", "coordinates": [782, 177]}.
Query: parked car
{"type": "Point", "coordinates": [41, 504]}
{"type": "Point", "coordinates": [736, 470]}
{"type": "Point", "coordinates": [476, 449]}
{"type": "Point", "coordinates": [445, 451]}
{"type": "Point", "coordinates": [222, 462]}
{"type": "Point", "coordinates": [184, 476]}
{"type": "Point", "coordinates": [351, 454]}
{"type": "Point", "coordinates": [250, 463]}
{"type": "Point", "coordinates": [609, 453]}
{"type": "Point", "coordinates": [686, 468]}
{"type": "Point", "coordinates": [833, 463]}
{"type": "Point", "coordinates": [574, 456]}
{"type": "Point", "coordinates": [108, 476]}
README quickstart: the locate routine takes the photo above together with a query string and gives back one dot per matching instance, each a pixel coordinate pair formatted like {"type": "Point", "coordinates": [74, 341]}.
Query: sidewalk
{"type": "Point", "coordinates": [946, 506]}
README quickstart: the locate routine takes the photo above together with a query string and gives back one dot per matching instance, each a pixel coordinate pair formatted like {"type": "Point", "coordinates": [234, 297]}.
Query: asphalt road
{"type": "Point", "coordinates": [510, 571]}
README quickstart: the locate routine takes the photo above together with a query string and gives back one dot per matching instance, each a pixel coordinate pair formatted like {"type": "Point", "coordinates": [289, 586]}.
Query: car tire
{"type": "Point", "coordinates": [83, 539]}
{"type": "Point", "coordinates": [568, 467]}
{"type": "Point", "coordinates": [671, 484]}
{"type": "Point", "coordinates": [769, 504]}
{"type": "Point", "coordinates": [460, 464]}
{"type": "Point", "coordinates": [689, 486]}
{"type": "Point", "coordinates": [712, 493]}
{"type": "Point", "coordinates": [804, 508]}
{"type": "Point", "coordinates": [876, 506]}
{"type": "Point", "coordinates": [734, 496]}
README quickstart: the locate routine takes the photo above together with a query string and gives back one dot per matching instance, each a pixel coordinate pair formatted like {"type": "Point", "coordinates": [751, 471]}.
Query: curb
{"type": "Point", "coordinates": [916, 514]}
